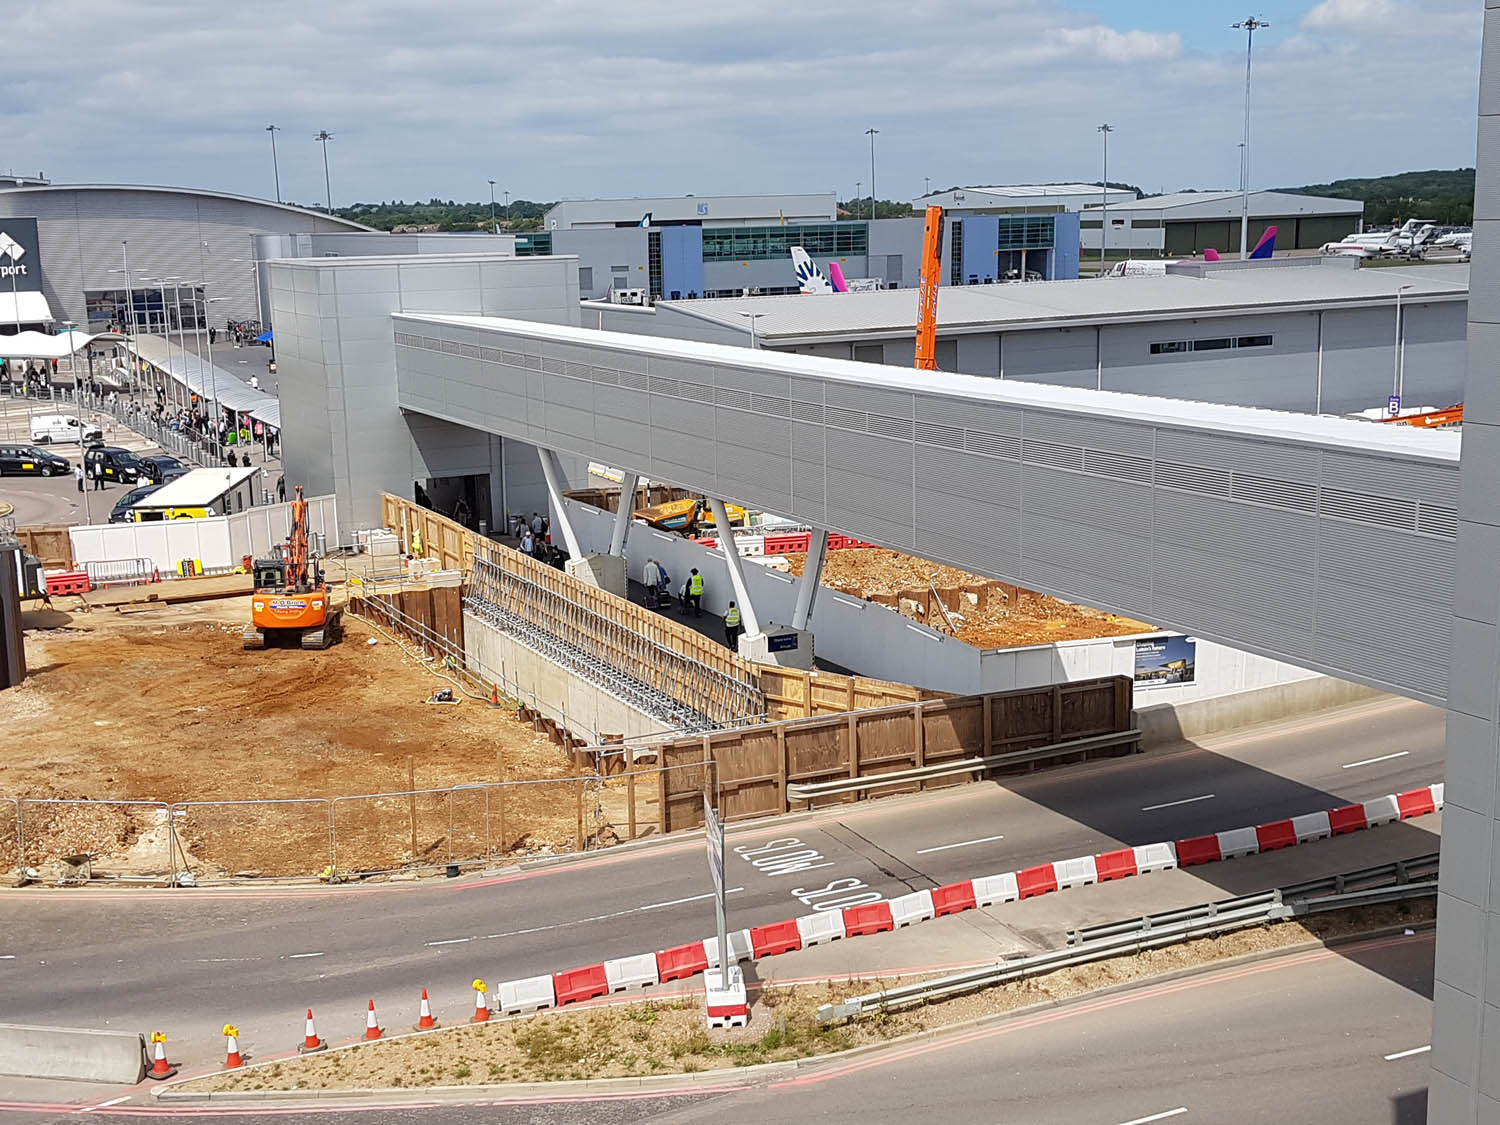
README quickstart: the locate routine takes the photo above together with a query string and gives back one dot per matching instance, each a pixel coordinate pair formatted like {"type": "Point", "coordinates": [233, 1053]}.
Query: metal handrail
{"type": "Point", "coordinates": [804, 791]}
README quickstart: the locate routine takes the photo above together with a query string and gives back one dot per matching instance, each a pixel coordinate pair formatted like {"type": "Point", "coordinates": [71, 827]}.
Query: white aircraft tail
{"type": "Point", "coordinates": [810, 278]}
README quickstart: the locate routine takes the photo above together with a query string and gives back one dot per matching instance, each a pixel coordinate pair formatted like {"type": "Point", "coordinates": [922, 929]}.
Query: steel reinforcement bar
{"type": "Point", "coordinates": [670, 685]}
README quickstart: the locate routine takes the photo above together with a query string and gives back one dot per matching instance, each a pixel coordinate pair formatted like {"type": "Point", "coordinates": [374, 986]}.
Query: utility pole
{"type": "Point", "coordinates": [493, 228]}
{"type": "Point", "coordinates": [871, 134]}
{"type": "Point", "coordinates": [1104, 131]}
{"type": "Point", "coordinates": [325, 136]}
{"type": "Point", "coordinates": [1251, 26]}
{"type": "Point", "coordinates": [275, 167]}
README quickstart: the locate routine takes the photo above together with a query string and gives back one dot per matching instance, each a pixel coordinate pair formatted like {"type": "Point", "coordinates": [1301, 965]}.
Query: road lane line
{"type": "Point", "coordinates": [1178, 1112]}
{"type": "Point", "coordinates": [964, 844]}
{"type": "Point", "coordinates": [582, 921]}
{"type": "Point", "coordinates": [1372, 761]}
{"type": "Point", "coordinates": [294, 956]}
{"type": "Point", "coordinates": [1408, 1054]}
{"type": "Point", "coordinates": [106, 1105]}
{"type": "Point", "coordinates": [1174, 804]}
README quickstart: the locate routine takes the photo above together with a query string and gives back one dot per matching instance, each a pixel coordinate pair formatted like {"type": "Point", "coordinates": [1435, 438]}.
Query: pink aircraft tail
{"type": "Point", "coordinates": [836, 275]}
{"type": "Point", "coordinates": [1210, 255]}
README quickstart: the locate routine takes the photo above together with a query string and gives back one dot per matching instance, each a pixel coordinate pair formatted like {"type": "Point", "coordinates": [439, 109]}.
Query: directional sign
{"type": "Point", "coordinates": [714, 833]}
{"type": "Point", "coordinates": [1393, 406]}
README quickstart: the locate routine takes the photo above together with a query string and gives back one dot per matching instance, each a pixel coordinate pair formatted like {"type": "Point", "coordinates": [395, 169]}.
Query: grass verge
{"type": "Point", "coordinates": [667, 1036]}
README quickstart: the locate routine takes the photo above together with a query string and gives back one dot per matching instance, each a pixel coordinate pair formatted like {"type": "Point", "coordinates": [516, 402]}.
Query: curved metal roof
{"type": "Point", "coordinates": [350, 223]}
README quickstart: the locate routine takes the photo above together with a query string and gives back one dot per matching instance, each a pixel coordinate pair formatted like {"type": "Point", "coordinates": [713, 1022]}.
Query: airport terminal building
{"type": "Point", "coordinates": [78, 238]}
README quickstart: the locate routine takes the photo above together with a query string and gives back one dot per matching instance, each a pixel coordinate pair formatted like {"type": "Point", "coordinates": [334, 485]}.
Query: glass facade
{"type": "Point", "coordinates": [528, 245]}
{"type": "Point", "coordinates": [743, 244]}
{"type": "Point", "coordinates": [1026, 232]}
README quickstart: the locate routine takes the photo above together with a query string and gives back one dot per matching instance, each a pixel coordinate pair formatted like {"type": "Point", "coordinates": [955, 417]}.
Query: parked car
{"type": "Point", "coordinates": [159, 468]}
{"type": "Point", "coordinates": [120, 513]}
{"type": "Point", "coordinates": [113, 464]}
{"type": "Point", "coordinates": [21, 459]}
{"type": "Point", "coordinates": [63, 427]}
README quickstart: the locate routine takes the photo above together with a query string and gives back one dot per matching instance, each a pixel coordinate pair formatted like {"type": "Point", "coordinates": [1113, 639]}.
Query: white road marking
{"type": "Point", "coordinates": [216, 960]}
{"type": "Point", "coordinates": [1408, 1054]}
{"type": "Point", "coordinates": [8, 957]}
{"type": "Point", "coordinates": [295, 956]}
{"type": "Point", "coordinates": [963, 844]}
{"type": "Point", "coordinates": [106, 1105]}
{"type": "Point", "coordinates": [1178, 1112]}
{"type": "Point", "coordinates": [581, 921]}
{"type": "Point", "coordinates": [1372, 761]}
{"type": "Point", "coordinates": [1174, 804]}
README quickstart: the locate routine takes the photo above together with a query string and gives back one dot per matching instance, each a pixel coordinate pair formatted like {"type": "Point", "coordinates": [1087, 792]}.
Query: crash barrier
{"type": "Point", "coordinates": [121, 572]}
{"type": "Point", "coordinates": [75, 841]}
{"type": "Point", "coordinates": [833, 921]}
{"type": "Point", "coordinates": [72, 1054]}
{"type": "Point", "coordinates": [811, 763]}
{"type": "Point", "coordinates": [71, 582]}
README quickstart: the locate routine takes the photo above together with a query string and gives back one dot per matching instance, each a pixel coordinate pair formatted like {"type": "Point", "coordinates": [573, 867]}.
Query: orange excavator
{"type": "Point", "coordinates": [290, 602]}
{"type": "Point", "coordinates": [932, 267]}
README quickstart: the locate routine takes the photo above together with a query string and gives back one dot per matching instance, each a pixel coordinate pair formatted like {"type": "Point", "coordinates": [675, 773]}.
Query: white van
{"type": "Point", "coordinates": [62, 427]}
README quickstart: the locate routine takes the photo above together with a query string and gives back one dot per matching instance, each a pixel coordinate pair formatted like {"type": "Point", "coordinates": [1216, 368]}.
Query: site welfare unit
{"type": "Point", "coordinates": [200, 493]}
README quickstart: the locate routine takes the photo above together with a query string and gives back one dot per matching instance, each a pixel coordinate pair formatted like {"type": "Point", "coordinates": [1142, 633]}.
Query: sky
{"type": "Point", "coordinates": [578, 99]}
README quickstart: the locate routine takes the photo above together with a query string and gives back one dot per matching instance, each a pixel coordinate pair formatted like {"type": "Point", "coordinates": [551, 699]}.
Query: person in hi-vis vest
{"type": "Point", "coordinates": [732, 626]}
{"type": "Point", "coordinates": [693, 593]}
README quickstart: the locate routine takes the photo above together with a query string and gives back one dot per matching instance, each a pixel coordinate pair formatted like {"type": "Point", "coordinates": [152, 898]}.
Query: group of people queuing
{"type": "Point", "coordinates": [535, 542]}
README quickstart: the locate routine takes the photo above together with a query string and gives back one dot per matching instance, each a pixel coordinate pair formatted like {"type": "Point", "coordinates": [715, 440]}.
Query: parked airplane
{"type": "Point", "coordinates": [1407, 241]}
{"type": "Point", "coordinates": [810, 278]}
{"type": "Point", "coordinates": [1263, 249]}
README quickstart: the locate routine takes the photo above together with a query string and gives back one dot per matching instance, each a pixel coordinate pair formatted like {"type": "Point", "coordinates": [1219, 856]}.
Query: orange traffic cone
{"type": "Point", "coordinates": [310, 1041]}
{"type": "Point", "coordinates": [372, 1029]}
{"type": "Point", "coordinates": [495, 695]}
{"type": "Point", "coordinates": [426, 1021]}
{"type": "Point", "coordinates": [481, 1004]}
{"type": "Point", "coordinates": [233, 1058]}
{"type": "Point", "coordinates": [160, 1068]}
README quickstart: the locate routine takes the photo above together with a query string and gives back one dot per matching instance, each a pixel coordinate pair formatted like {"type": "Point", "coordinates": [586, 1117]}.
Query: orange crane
{"type": "Point", "coordinates": [1452, 416]}
{"type": "Point", "coordinates": [291, 597]}
{"type": "Point", "coordinates": [932, 266]}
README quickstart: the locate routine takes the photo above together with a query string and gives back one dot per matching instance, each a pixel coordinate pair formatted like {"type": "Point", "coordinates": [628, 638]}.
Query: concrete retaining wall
{"type": "Point", "coordinates": [580, 706]}
{"type": "Point", "coordinates": [78, 1054]}
{"type": "Point", "coordinates": [1164, 723]}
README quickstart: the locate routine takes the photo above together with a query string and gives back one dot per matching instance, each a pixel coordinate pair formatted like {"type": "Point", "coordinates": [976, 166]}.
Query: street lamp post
{"type": "Point", "coordinates": [275, 167]}
{"type": "Point", "coordinates": [1104, 131]}
{"type": "Point", "coordinates": [1251, 25]}
{"type": "Point", "coordinates": [493, 228]}
{"type": "Point", "coordinates": [1400, 358]}
{"type": "Point", "coordinates": [926, 185]}
{"type": "Point", "coordinates": [858, 184]}
{"type": "Point", "coordinates": [752, 317]}
{"type": "Point", "coordinates": [325, 136]}
{"type": "Point", "coordinates": [870, 132]}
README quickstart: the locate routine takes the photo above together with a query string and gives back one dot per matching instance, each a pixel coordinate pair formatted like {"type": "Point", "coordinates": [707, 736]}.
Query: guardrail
{"type": "Point", "coordinates": [121, 572]}
{"type": "Point", "coordinates": [811, 790]}
{"type": "Point", "coordinates": [1133, 936]}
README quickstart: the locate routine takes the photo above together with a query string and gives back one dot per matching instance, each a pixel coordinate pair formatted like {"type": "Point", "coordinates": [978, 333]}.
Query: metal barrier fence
{"type": "Point", "coordinates": [334, 837]}
{"type": "Point", "coordinates": [120, 572]}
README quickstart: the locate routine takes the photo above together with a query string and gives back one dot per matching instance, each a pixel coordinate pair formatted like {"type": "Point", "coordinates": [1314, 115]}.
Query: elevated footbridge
{"type": "Point", "coordinates": [1323, 542]}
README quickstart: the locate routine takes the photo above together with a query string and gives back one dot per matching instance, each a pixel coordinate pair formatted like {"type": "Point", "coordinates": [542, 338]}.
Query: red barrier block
{"type": "Point", "coordinates": [1115, 865]}
{"type": "Point", "coordinates": [1277, 834]}
{"type": "Point", "coordinates": [73, 582]}
{"type": "Point", "coordinates": [800, 543]}
{"type": "Point", "coordinates": [580, 984]}
{"type": "Point", "coordinates": [1416, 802]}
{"type": "Point", "coordinates": [952, 898]}
{"type": "Point", "coordinates": [1350, 818]}
{"type": "Point", "coordinates": [681, 961]}
{"type": "Point", "coordinates": [1199, 849]}
{"type": "Point", "coordinates": [1038, 880]}
{"type": "Point", "coordinates": [778, 937]}
{"type": "Point", "coordinates": [871, 918]}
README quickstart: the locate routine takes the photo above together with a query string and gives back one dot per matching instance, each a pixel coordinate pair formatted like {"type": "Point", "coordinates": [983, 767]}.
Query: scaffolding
{"type": "Point", "coordinates": [670, 685]}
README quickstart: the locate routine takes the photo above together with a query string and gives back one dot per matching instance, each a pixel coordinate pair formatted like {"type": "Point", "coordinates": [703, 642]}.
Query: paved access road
{"type": "Point", "coordinates": [186, 961]}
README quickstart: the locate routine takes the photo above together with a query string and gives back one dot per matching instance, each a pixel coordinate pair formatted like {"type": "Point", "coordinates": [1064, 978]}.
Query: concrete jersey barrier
{"type": "Point", "coordinates": [72, 1053]}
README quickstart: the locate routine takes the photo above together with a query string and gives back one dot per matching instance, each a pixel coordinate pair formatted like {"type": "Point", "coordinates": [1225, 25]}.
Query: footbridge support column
{"type": "Point", "coordinates": [604, 571]}
{"type": "Point", "coordinates": [812, 574]}
{"type": "Point", "coordinates": [764, 642]}
{"type": "Point", "coordinates": [628, 486]}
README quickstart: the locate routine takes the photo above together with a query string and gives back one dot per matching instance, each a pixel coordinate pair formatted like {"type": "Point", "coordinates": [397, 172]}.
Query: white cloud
{"type": "Point", "coordinates": [1357, 16]}
{"type": "Point", "coordinates": [1120, 46]}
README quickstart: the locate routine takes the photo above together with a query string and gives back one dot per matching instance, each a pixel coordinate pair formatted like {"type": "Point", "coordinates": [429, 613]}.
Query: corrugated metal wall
{"type": "Point", "coordinates": [1331, 558]}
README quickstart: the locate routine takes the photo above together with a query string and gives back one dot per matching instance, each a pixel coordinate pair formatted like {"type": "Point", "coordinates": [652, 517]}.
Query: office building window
{"type": "Point", "coordinates": [834, 240]}
{"type": "Point", "coordinates": [1210, 344]}
{"type": "Point", "coordinates": [586, 279]}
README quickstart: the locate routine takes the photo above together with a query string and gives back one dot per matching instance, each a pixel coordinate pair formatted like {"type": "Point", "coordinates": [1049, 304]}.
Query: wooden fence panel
{"type": "Point", "coordinates": [750, 767]}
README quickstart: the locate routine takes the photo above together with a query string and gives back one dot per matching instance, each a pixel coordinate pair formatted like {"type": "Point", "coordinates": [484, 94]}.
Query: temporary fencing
{"type": "Point", "coordinates": [331, 837]}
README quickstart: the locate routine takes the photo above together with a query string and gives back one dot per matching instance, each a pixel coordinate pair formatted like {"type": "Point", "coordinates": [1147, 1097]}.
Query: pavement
{"type": "Point", "coordinates": [188, 960]}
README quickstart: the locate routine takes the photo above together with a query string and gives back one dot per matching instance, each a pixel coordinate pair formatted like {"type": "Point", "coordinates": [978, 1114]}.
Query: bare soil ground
{"type": "Point", "coordinates": [1022, 618]}
{"type": "Point", "coordinates": [667, 1036]}
{"type": "Point", "coordinates": [163, 704]}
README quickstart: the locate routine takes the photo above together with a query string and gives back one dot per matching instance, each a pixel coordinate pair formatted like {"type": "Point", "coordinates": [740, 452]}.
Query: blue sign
{"type": "Point", "coordinates": [703, 208]}
{"type": "Point", "coordinates": [1393, 406]}
{"type": "Point", "coordinates": [781, 642]}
